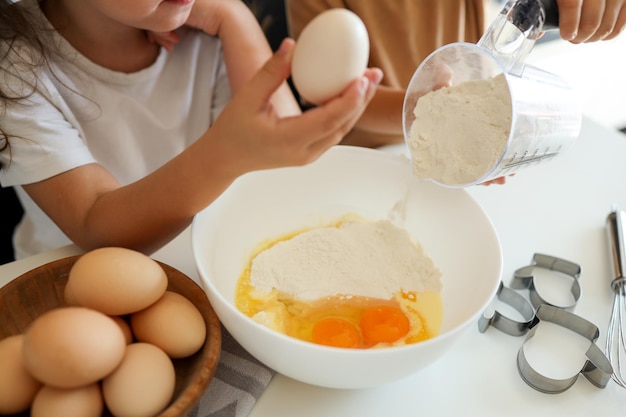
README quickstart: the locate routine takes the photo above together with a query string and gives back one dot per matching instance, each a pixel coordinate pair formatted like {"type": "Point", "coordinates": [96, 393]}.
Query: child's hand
{"type": "Point", "coordinates": [251, 136]}
{"type": "Point", "coordinates": [166, 39]}
{"type": "Point", "coordinates": [206, 15]}
{"type": "Point", "coordinates": [591, 20]}
{"type": "Point", "coordinates": [210, 15]}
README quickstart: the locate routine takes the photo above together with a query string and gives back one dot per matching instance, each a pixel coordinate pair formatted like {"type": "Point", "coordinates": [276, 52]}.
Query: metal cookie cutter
{"type": "Point", "coordinates": [504, 323]}
{"type": "Point", "coordinates": [524, 278]}
{"type": "Point", "coordinates": [597, 369]}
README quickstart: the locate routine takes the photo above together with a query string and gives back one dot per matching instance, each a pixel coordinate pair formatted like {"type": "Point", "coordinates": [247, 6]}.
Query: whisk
{"type": "Point", "coordinates": [615, 347]}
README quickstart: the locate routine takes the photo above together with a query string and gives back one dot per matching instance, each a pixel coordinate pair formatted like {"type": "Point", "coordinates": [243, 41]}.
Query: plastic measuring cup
{"type": "Point", "coordinates": [540, 120]}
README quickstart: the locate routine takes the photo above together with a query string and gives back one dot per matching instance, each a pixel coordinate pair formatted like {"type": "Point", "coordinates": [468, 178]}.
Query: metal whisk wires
{"type": "Point", "coordinates": [615, 338]}
{"type": "Point", "coordinates": [615, 347]}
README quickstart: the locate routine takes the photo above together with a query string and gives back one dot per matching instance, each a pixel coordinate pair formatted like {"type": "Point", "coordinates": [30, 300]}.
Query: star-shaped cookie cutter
{"type": "Point", "coordinates": [523, 278]}
{"type": "Point", "coordinates": [597, 368]}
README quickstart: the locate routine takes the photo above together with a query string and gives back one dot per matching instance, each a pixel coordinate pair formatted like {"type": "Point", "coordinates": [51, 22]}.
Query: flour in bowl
{"type": "Point", "coordinates": [359, 258]}
{"type": "Point", "coordinates": [460, 132]}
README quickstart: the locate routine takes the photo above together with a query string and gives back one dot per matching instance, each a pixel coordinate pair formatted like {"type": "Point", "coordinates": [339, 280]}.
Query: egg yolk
{"type": "Point", "coordinates": [379, 324]}
{"type": "Point", "coordinates": [333, 331]}
{"type": "Point", "coordinates": [384, 324]}
{"type": "Point", "coordinates": [346, 321]}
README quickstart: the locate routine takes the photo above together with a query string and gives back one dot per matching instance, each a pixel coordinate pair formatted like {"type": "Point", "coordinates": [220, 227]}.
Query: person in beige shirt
{"type": "Point", "coordinates": [397, 46]}
{"type": "Point", "coordinates": [404, 32]}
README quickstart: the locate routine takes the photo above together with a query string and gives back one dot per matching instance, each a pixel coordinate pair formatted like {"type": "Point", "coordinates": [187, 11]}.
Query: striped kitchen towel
{"type": "Point", "coordinates": [239, 381]}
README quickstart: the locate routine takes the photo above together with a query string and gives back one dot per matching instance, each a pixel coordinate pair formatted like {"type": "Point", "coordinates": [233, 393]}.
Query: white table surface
{"type": "Point", "coordinates": [558, 208]}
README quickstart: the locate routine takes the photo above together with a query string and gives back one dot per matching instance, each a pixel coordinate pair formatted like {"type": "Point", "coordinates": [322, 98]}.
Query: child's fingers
{"type": "Point", "coordinates": [338, 116]}
{"type": "Point", "coordinates": [164, 39]}
{"type": "Point", "coordinates": [328, 124]}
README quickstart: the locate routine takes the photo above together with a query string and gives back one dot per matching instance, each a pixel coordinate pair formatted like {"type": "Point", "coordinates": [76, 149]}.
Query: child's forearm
{"type": "Point", "coordinates": [245, 46]}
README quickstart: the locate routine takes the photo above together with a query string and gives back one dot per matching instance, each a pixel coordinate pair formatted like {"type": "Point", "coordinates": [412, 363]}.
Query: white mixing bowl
{"type": "Point", "coordinates": [452, 228]}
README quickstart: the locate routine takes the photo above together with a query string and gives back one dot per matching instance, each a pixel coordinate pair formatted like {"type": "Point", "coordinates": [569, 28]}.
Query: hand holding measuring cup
{"type": "Point", "coordinates": [496, 115]}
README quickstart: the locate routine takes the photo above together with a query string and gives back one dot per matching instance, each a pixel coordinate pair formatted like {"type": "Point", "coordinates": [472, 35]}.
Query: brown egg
{"type": "Point", "coordinates": [63, 402]}
{"type": "Point", "coordinates": [17, 386]}
{"type": "Point", "coordinates": [115, 281]}
{"type": "Point", "coordinates": [125, 327]}
{"type": "Point", "coordinates": [68, 297]}
{"type": "Point", "coordinates": [142, 385]}
{"type": "Point", "coordinates": [72, 346]}
{"type": "Point", "coordinates": [172, 323]}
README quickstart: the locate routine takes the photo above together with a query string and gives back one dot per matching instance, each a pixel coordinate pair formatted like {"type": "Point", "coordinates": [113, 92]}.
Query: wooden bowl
{"type": "Point", "coordinates": [41, 289]}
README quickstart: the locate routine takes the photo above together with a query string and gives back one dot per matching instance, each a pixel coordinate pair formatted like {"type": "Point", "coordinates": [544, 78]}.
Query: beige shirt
{"type": "Point", "coordinates": [402, 32]}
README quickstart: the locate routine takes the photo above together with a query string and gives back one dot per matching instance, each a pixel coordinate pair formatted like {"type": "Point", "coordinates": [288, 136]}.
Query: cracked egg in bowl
{"type": "Point", "coordinates": [347, 272]}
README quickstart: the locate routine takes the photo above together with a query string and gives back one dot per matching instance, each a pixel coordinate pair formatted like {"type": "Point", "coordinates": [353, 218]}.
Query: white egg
{"type": "Point", "coordinates": [331, 51]}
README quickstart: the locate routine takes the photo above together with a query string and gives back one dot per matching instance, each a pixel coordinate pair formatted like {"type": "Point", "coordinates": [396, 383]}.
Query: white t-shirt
{"type": "Point", "coordinates": [129, 123]}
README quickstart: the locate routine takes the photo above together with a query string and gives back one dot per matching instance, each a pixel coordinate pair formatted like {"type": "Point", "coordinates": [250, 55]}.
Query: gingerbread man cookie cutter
{"type": "Point", "coordinates": [524, 278]}
{"type": "Point", "coordinates": [506, 324]}
{"type": "Point", "coordinates": [597, 369]}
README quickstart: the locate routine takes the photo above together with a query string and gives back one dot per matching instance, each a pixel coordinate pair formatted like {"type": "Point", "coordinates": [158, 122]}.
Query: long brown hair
{"type": "Point", "coordinates": [17, 27]}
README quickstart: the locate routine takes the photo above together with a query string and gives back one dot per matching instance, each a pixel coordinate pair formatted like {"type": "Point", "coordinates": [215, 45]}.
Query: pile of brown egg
{"type": "Point", "coordinates": [111, 346]}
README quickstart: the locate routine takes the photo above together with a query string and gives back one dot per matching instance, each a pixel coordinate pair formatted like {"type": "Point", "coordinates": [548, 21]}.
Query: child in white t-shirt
{"type": "Point", "coordinates": [111, 139]}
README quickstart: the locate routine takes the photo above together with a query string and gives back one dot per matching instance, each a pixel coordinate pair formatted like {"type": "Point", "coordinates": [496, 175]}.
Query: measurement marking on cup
{"type": "Point", "coordinates": [532, 159]}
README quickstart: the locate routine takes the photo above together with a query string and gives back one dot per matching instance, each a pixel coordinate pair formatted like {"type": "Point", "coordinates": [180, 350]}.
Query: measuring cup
{"type": "Point", "coordinates": [459, 143]}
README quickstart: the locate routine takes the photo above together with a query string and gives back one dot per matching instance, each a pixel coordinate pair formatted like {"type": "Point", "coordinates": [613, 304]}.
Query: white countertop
{"type": "Point", "coordinates": [558, 208]}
